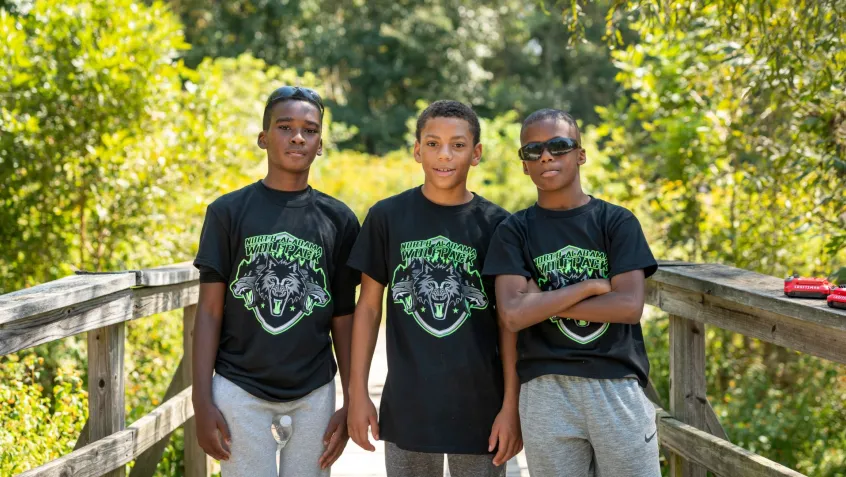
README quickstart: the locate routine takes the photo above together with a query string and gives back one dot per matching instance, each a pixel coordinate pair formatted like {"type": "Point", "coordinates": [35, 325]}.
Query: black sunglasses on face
{"type": "Point", "coordinates": [295, 92]}
{"type": "Point", "coordinates": [556, 146]}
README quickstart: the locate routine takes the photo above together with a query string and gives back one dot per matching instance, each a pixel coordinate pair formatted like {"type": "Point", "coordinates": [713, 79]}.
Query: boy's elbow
{"type": "Point", "coordinates": [634, 313]}
{"type": "Point", "coordinates": [508, 319]}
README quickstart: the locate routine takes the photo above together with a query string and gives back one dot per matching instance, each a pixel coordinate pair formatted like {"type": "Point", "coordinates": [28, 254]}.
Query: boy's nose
{"type": "Point", "coordinates": [298, 139]}
{"type": "Point", "coordinates": [546, 156]}
{"type": "Point", "coordinates": [445, 154]}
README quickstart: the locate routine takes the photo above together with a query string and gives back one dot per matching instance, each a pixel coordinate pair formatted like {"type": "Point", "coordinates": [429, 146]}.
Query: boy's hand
{"type": "Point", "coordinates": [209, 422]}
{"type": "Point", "coordinates": [362, 414]}
{"type": "Point", "coordinates": [335, 439]}
{"type": "Point", "coordinates": [506, 436]}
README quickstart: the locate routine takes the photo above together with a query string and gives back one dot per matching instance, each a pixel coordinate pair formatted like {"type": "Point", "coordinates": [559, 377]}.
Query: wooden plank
{"type": "Point", "coordinates": [105, 384]}
{"type": "Point", "coordinates": [755, 290]}
{"type": "Point", "coordinates": [119, 307]}
{"type": "Point", "coordinates": [148, 461]}
{"type": "Point", "coordinates": [717, 455]}
{"type": "Point", "coordinates": [196, 460]}
{"type": "Point", "coordinates": [825, 338]}
{"type": "Point", "coordinates": [687, 384]}
{"type": "Point", "coordinates": [115, 451]}
{"type": "Point", "coordinates": [712, 422]}
{"type": "Point", "coordinates": [168, 275]}
{"type": "Point", "coordinates": [61, 293]}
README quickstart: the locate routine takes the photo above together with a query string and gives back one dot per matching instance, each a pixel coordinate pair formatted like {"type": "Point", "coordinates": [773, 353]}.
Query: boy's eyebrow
{"type": "Point", "coordinates": [288, 119]}
{"type": "Point", "coordinates": [460, 136]}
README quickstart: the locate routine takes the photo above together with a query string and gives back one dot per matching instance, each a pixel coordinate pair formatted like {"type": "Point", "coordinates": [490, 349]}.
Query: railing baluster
{"type": "Point", "coordinates": [196, 461]}
{"type": "Point", "coordinates": [106, 413]}
{"type": "Point", "coordinates": [687, 384]}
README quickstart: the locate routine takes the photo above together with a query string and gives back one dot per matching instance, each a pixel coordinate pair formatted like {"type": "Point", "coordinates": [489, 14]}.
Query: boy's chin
{"type": "Point", "coordinates": [446, 183]}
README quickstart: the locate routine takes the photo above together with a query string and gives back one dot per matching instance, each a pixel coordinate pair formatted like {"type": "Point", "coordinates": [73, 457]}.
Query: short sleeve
{"type": "Point", "coordinates": [346, 278]}
{"type": "Point", "coordinates": [369, 255]}
{"type": "Point", "coordinates": [214, 252]}
{"type": "Point", "coordinates": [628, 248]}
{"type": "Point", "coordinates": [505, 254]}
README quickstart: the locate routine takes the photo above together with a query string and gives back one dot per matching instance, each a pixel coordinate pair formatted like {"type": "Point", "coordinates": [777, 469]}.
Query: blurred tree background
{"type": "Point", "coordinates": [721, 123]}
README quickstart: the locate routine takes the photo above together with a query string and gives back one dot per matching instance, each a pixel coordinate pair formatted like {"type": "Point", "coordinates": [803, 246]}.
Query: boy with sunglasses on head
{"type": "Point", "coordinates": [449, 390]}
{"type": "Point", "coordinates": [273, 284]}
{"type": "Point", "coordinates": [570, 278]}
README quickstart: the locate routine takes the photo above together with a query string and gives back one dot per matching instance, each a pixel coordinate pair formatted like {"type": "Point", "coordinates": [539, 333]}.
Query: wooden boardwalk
{"type": "Point", "coordinates": [356, 462]}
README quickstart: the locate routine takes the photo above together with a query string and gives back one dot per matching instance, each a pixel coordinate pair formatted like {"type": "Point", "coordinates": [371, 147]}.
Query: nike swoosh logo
{"type": "Point", "coordinates": [647, 439]}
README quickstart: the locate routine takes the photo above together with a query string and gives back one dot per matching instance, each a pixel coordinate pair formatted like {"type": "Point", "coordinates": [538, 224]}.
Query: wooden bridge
{"type": "Point", "coordinates": [689, 432]}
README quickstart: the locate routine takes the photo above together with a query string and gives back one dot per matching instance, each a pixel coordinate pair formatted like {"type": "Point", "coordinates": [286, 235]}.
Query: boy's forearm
{"type": "Point", "coordinates": [612, 307]}
{"type": "Point", "coordinates": [206, 342]}
{"type": "Point", "coordinates": [365, 330]}
{"type": "Point", "coordinates": [342, 339]}
{"type": "Point", "coordinates": [508, 355]}
{"type": "Point", "coordinates": [525, 309]}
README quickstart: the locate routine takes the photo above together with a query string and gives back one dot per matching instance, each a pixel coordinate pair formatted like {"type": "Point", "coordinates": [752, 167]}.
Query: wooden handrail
{"type": "Point", "coordinates": [695, 295]}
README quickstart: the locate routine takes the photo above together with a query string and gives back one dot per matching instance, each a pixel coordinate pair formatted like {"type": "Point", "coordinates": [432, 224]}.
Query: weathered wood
{"type": "Point", "coordinates": [148, 461]}
{"type": "Point", "coordinates": [168, 275]}
{"type": "Point", "coordinates": [61, 293]}
{"type": "Point", "coordinates": [717, 455]}
{"type": "Point", "coordinates": [712, 422]}
{"type": "Point", "coordinates": [105, 384]}
{"type": "Point", "coordinates": [687, 384]}
{"type": "Point", "coordinates": [823, 336]}
{"type": "Point", "coordinates": [755, 290]}
{"type": "Point", "coordinates": [118, 307]}
{"type": "Point", "coordinates": [196, 460]}
{"type": "Point", "coordinates": [82, 441]}
{"type": "Point", "coordinates": [115, 451]}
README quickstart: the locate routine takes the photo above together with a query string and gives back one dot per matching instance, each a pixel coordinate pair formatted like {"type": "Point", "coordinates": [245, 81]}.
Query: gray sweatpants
{"type": "Point", "coordinates": [403, 463]}
{"type": "Point", "coordinates": [253, 447]}
{"type": "Point", "coordinates": [579, 427]}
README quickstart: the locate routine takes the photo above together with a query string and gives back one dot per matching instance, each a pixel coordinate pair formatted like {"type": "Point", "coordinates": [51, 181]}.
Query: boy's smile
{"type": "Point", "coordinates": [447, 152]}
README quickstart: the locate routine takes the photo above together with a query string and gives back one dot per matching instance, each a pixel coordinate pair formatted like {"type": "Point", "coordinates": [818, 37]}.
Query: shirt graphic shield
{"type": "Point", "coordinates": [568, 266]}
{"type": "Point", "coordinates": [280, 280]}
{"type": "Point", "coordinates": [437, 285]}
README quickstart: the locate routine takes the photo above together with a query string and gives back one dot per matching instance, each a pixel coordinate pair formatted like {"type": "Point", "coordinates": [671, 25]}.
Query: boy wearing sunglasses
{"type": "Point", "coordinates": [570, 278]}
{"type": "Point", "coordinates": [449, 390]}
{"type": "Point", "coordinates": [273, 284]}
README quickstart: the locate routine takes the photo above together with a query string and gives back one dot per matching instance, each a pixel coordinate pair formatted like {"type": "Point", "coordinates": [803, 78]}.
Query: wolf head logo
{"type": "Point", "coordinates": [439, 295]}
{"type": "Point", "coordinates": [279, 291]}
{"type": "Point", "coordinates": [440, 285]}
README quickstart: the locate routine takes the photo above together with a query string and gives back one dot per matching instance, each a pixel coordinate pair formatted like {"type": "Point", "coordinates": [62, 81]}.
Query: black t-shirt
{"type": "Point", "coordinates": [444, 386]}
{"type": "Point", "coordinates": [283, 255]}
{"type": "Point", "coordinates": [559, 248]}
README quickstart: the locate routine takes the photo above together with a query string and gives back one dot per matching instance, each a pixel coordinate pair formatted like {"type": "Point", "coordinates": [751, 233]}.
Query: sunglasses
{"type": "Point", "coordinates": [556, 146]}
{"type": "Point", "coordinates": [295, 92]}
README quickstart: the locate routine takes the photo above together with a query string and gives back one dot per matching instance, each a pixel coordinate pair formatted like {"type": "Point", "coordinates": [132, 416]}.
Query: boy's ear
{"type": "Point", "coordinates": [582, 157]}
{"type": "Point", "coordinates": [525, 169]}
{"type": "Point", "coordinates": [477, 155]}
{"type": "Point", "coordinates": [262, 140]}
{"type": "Point", "coordinates": [320, 147]}
{"type": "Point", "coordinates": [417, 156]}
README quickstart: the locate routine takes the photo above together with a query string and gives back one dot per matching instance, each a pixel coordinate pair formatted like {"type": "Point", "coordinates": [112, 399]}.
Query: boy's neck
{"type": "Point", "coordinates": [455, 196]}
{"type": "Point", "coordinates": [563, 199]}
{"type": "Point", "coordinates": [286, 181]}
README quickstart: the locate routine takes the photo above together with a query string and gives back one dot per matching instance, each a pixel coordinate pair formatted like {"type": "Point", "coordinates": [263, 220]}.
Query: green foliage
{"type": "Point", "coordinates": [723, 129]}
{"type": "Point", "coordinates": [378, 58]}
{"type": "Point", "coordinates": [35, 425]}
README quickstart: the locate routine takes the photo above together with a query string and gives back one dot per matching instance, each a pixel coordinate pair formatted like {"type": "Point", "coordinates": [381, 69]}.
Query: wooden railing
{"type": "Point", "coordinates": [689, 432]}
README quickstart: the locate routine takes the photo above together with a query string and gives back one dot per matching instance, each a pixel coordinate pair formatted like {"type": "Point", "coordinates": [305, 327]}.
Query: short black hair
{"type": "Point", "coordinates": [446, 108]}
{"type": "Point", "coordinates": [553, 114]}
{"type": "Point", "coordinates": [271, 102]}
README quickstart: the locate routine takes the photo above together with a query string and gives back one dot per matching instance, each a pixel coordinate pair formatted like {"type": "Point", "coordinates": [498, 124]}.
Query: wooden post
{"type": "Point", "coordinates": [105, 385]}
{"type": "Point", "coordinates": [688, 400]}
{"type": "Point", "coordinates": [196, 461]}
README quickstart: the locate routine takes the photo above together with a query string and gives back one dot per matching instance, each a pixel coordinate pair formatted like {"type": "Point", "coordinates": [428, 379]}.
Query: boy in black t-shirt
{"type": "Point", "coordinates": [273, 283]}
{"type": "Point", "coordinates": [571, 275]}
{"type": "Point", "coordinates": [448, 389]}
